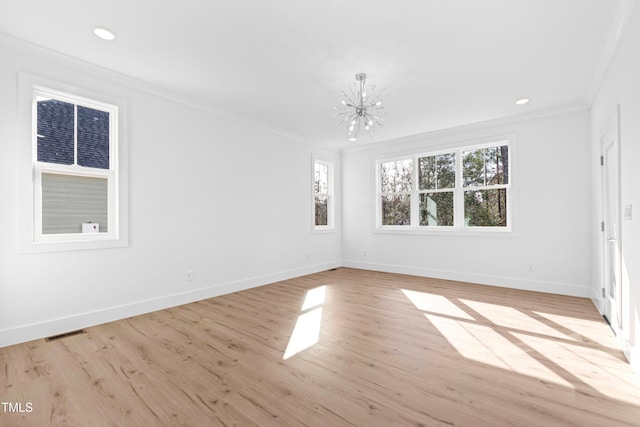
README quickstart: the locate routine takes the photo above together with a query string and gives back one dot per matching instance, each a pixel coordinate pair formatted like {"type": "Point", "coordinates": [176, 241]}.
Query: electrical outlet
{"type": "Point", "coordinates": [364, 253]}
{"type": "Point", "coordinates": [189, 275]}
{"type": "Point", "coordinates": [531, 268]}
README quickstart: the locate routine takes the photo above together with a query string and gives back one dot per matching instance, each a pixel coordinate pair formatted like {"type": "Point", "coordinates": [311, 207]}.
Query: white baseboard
{"type": "Point", "coordinates": [597, 301]}
{"type": "Point", "coordinates": [506, 282]}
{"type": "Point", "coordinates": [84, 320]}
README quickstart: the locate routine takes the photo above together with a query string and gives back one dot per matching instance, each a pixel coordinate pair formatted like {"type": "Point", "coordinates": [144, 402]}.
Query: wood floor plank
{"type": "Point", "coordinates": [390, 350]}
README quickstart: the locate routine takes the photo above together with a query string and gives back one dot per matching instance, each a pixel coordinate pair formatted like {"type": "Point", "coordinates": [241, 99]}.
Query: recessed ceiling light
{"type": "Point", "coordinates": [522, 101]}
{"type": "Point", "coordinates": [104, 34]}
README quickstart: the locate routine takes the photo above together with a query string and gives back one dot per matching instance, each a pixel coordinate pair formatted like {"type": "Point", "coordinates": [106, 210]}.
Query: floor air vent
{"type": "Point", "coordinates": [65, 335]}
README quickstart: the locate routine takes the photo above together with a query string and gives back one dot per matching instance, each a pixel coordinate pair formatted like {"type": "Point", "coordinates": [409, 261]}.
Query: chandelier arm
{"type": "Point", "coordinates": [355, 97]}
{"type": "Point", "coordinates": [349, 118]}
{"type": "Point", "coordinates": [373, 102]}
{"type": "Point", "coordinates": [350, 101]}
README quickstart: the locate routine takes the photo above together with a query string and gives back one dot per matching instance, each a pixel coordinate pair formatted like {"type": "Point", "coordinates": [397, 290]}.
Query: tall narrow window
{"type": "Point", "coordinates": [75, 168]}
{"type": "Point", "coordinates": [323, 195]}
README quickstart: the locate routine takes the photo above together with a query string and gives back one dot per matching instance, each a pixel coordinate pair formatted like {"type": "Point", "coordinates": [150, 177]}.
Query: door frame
{"type": "Point", "coordinates": [612, 306]}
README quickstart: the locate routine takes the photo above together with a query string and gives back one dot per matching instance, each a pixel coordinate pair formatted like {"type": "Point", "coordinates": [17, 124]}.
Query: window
{"type": "Point", "coordinates": [323, 195]}
{"type": "Point", "coordinates": [466, 188]}
{"type": "Point", "coordinates": [74, 159]}
{"type": "Point", "coordinates": [485, 175]}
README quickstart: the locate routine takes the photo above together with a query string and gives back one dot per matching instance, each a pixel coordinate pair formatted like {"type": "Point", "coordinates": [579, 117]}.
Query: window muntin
{"type": "Point", "coordinates": [75, 172]}
{"type": "Point", "coordinates": [323, 200]}
{"type": "Point", "coordinates": [462, 188]}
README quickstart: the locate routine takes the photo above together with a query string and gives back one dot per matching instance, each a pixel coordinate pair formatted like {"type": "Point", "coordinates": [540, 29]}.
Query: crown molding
{"type": "Point", "coordinates": [469, 127]}
{"type": "Point", "coordinates": [620, 21]}
{"type": "Point", "coordinates": [21, 46]}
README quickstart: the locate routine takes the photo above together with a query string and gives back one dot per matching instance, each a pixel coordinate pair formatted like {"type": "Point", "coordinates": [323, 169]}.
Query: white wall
{"type": "Point", "coordinates": [621, 87]}
{"type": "Point", "coordinates": [551, 222]}
{"type": "Point", "coordinates": [227, 200]}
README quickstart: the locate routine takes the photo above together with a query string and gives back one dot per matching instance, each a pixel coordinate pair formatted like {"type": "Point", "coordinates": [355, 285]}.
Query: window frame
{"type": "Point", "coordinates": [30, 235]}
{"type": "Point", "coordinates": [459, 190]}
{"type": "Point", "coordinates": [330, 227]}
{"type": "Point", "coordinates": [110, 174]}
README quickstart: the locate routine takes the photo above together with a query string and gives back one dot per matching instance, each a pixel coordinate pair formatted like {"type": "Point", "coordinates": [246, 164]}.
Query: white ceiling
{"type": "Point", "coordinates": [283, 63]}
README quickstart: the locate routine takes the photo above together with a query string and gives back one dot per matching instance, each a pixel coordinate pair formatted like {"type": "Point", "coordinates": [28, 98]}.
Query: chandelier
{"type": "Point", "coordinates": [360, 108]}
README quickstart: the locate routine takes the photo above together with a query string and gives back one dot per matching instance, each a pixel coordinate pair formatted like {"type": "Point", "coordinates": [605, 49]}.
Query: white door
{"type": "Point", "coordinates": [611, 200]}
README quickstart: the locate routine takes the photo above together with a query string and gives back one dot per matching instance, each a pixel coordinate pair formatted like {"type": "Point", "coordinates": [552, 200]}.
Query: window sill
{"type": "Point", "coordinates": [72, 245]}
{"type": "Point", "coordinates": [449, 231]}
{"type": "Point", "coordinates": [323, 230]}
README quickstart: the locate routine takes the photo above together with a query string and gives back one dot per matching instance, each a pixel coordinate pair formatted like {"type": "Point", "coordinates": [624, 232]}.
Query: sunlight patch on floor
{"type": "Point", "coordinates": [511, 318]}
{"type": "Point", "coordinates": [592, 330]}
{"type": "Point", "coordinates": [483, 344]}
{"type": "Point", "coordinates": [571, 358]}
{"type": "Point", "coordinates": [315, 297]}
{"type": "Point", "coordinates": [435, 304]}
{"type": "Point", "coordinates": [306, 332]}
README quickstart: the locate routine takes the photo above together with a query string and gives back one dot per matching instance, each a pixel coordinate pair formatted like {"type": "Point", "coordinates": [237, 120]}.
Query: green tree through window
{"type": "Point", "coordinates": [465, 187]}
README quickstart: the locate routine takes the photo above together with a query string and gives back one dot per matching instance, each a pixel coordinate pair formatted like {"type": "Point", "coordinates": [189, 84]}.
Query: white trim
{"type": "Point", "coordinates": [611, 131]}
{"type": "Point", "coordinates": [84, 320]}
{"type": "Point", "coordinates": [462, 129]}
{"type": "Point", "coordinates": [480, 279]}
{"type": "Point", "coordinates": [22, 46]}
{"type": "Point", "coordinates": [611, 46]}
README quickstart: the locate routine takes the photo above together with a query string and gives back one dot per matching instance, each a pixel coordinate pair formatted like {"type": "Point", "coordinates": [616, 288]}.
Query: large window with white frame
{"type": "Point", "coordinates": [75, 167]}
{"type": "Point", "coordinates": [323, 198]}
{"type": "Point", "coordinates": [462, 188]}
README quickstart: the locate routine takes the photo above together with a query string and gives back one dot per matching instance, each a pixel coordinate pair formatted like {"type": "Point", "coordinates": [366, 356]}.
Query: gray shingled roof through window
{"type": "Point", "coordinates": [56, 129]}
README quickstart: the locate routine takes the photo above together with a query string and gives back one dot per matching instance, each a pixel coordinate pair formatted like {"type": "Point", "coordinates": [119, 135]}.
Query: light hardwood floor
{"type": "Point", "coordinates": [390, 350]}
